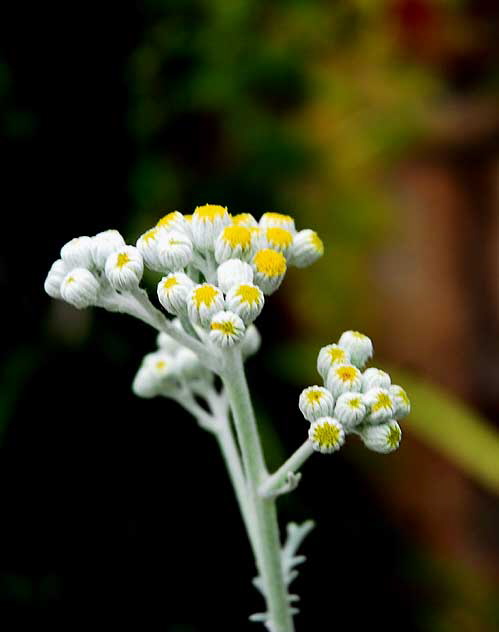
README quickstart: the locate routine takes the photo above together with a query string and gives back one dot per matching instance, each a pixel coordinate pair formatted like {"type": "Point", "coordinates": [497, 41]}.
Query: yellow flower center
{"type": "Point", "coordinates": [160, 364]}
{"type": "Point", "coordinates": [70, 280]}
{"type": "Point", "coordinates": [346, 373]}
{"type": "Point", "coordinates": [169, 218]}
{"type": "Point", "coordinates": [316, 242]}
{"type": "Point", "coordinates": [237, 236]}
{"type": "Point", "coordinates": [205, 294]}
{"type": "Point", "coordinates": [122, 260]}
{"type": "Point", "coordinates": [248, 294]}
{"type": "Point", "coordinates": [313, 397]}
{"type": "Point", "coordinates": [151, 234]}
{"type": "Point", "coordinates": [270, 262]}
{"type": "Point", "coordinates": [278, 217]}
{"type": "Point", "coordinates": [242, 219]}
{"type": "Point", "coordinates": [226, 327]}
{"type": "Point", "coordinates": [355, 402]}
{"type": "Point", "coordinates": [210, 211]}
{"type": "Point", "coordinates": [170, 282]}
{"type": "Point", "coordinates": [336, 355]}
{"type": "Point", "coordinates": [358, 335]}
{"type": "Point", "coordinates": [393, 438]}
{"type": "Point", "coordinates": [327, 435]}
{"type": "Point", "coordinates": [403, 396]}
{"type": "Point", "coordinates": [279, 237]}
{"type": "Point", "coordinates": [382, 401]}
{"type": "Point", "coordinates": [188, 218]}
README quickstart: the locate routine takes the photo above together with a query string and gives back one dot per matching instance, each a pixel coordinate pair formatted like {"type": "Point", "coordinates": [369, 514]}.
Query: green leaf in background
{"type": "Point", "coordinates": [438, 418]}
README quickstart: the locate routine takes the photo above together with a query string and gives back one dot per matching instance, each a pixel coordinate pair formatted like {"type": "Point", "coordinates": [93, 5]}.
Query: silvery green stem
{"type": "Point", "coordinates": [265, 530]}
{"type": "Point", "coordinates": [272, 484]}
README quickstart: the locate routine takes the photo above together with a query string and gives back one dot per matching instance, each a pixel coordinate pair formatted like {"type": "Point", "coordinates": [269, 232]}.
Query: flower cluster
{"type": "Point", "coordinates": [217, 268]}
{"type": "Point", "coordinates": [353, 400]}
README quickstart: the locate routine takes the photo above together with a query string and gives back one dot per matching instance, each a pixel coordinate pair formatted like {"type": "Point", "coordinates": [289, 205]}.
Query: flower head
{"type": "Point", "coordinates": [326, 435]}
{"type": "Point", "coordinates": [329, 356]}
{"type": "Point", "coordinates": [226, 329]}
{"type": "Point", "coordinates": [246, 300]}
{"type": "Point", "coordinates": [203, 302]}
{"type": "Point", "coordinates": [278, 220]}
{"type": "Point", "coordinates": [174, 250]}
{"type": "Point", "coordinates": [384, 438]}
{"type": "Point", "coordinates": [80, 288]}
{"type": "Point", "coordinates": [56, 274]}
{"type": "Point", "coordinates": [316, 402]}
{"type": "Point", "coordinates": [233, 272]}
{"type": "Point", "coordinates": [77, 253]}
{"type": "Point", "coordinates": [342, 378]}
{"type": "Point", "coordinates": [147, 245]}
{"type": "Point", "coordinates": [172, 292]}
{"type": "Point", "coordinates": [207, 223]}
{"type": "Point", "coordinates": [307, 247]}
{"type": "Point", "coordinates": [251, 342]}
{"type": "Point", "coordinates": [276, 238]}
{"type": "Point", "coordinates": [401, 401]}
{"type": "Point", "coordinates": [244, 219]}
{"type": "Point", "coordinates": [380, 405]}
{"type": "Point", "coordinates": [124, 268]}
{"type": "Point", "coordinates": [350, 410]}
{"type": "Point", "coordinates": [104, 244]}
{"type": "Point", "coordinates": [269, 267]}
{"type": "Point", "coordinates": [172, 221]}
{"type": "Point", "coordinates": [233, 242]}
{"type": "Point", "coordinates": [359, 347]}
{"type": "Point", "coordinates": [372, 378]}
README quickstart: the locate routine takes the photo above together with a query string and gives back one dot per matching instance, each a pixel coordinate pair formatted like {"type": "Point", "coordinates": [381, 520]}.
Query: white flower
{"type": "Point", "coordinates": [104, 244]}
{"type": "Point", "coordinates": [329, 356]}
{"type": "Point", "coordinates": [307, 247]}
{"type": "Point", "coordinates": [226, 329]}
{"type": "Point", "coordinates": [380, 405]}
{"type": "Point", "coordinates": [80, 288]}
{"type": "Point", "coordinates": [145, 383]}
{"type": "Point", "coordinates": [276, 238]}
{"type": "Point", "coordinates": [270, 268]}
{"type": "Point", "coordinates": [251, 342]}
{"type": "Point", "coordinates": [77, 253]}
{"type": "Point", "coordinates": [147, 245]}
{"type": "Point", "coordinates": [375, 377]}
{"type": "Point", "coordinates": [56, 274]}
{"type": "Point", "coordinates": [233, 272]}
{"type": "Point", "coordinates": [401, 401]}
{"type": "Point", "coordinates": [359, 346]}
{"type": "Point", "coordinates": [233, 242]}
{"type": "Point", "coordinates": [174, 250]}
{"type": "Point", "coordinates": [173, 290]}
{"type": "Point", "coordinates": [172, 221]}
{"type": "Point", "coordinates": [315, 402]}
{"type": "Point", "coordinates": [278, 220]}
{"type": "Point", "coordinates": [245, 300]}
{"type": "Point", "coordinates": [342, 378]}
{"type": "Point", "coordinates": [384, 438]}
{"type": "Point", "coordinates": [244, 219]}
{"type": "Point", "coordinates": [350, 410]}
{"type": "Point", "coordinates": [326, 435]}
{"type": "Point", "coordinates": [207, 223]}
{"type": "Point", "coordinates": [124, 268]}
{"type": "Point", "coordinates": [203, 302]}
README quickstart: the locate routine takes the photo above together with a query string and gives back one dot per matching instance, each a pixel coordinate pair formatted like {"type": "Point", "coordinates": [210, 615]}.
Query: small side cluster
{"type": "Point", "coordinates": [353, 400]}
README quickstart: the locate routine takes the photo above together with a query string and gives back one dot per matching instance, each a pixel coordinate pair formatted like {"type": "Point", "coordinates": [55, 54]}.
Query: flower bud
{"type": "Point", "coordinates": [172, 292]}
{"type": "Point", "coordinates": [269, 267]}
{"type": "Point", "coordinates": [233, 272]}
{"type": "Point", "coordinates": [372, 378]}
{"type": "Point", "coordinates": [244, 219]}
{"type": "Point", "coordinates": [80, 288]}
{"type": "Point", "coordinates": [207, 223]}
{"type": "Point", "coordinates": [145, 383]}
{"type": "Point", "coordinates": [278, 220]}
{"type": "Point", "coordinates": [329, 356]}
{"type": "Point", "coordinates": [245, 300]}
{"type": "Point", "coordinates": [316, 402]}
{"type": "Point", "coordinates": [234, 242]}
{"type": "Point", "coordinates": [380, 405]}
{"type": "Point", "coordinates": [203, 302]}
{"type": "Point", "coordinates": [174, 250]}
{"type": "Point", "coordinates": [147, 245]}
{"type": "Point", "coordinates": [384, 438]}
{"type": "Point", "coordinates": [77, 253]}
{"type": "Point", "coordinates": [359, 347]}
{"type": "Point", "coordinates": [350, 410]}
{"type": "Point", "coordinates": [124, 268]}
{"type": "Point", "coordinates": [226, 329]}
{"type": "Point", "coordinates": [401, 401]}
{"type": "Point", "coordinates": [172, 221]}
{"type": "Point", "coordinates": [342, 378]}
{"type": "Point", "coordinates": [307, 247]}
{"type": "Point", "coordinates": [276, 238]}
{"type": "Point", "coordinates": [104, 244]}
{"type": "Point", "coordinates": [326, 435]}
{"type": "Point", "coordinates": [56, 275]}
{"type": "Point", "coordinates": [251, 342]}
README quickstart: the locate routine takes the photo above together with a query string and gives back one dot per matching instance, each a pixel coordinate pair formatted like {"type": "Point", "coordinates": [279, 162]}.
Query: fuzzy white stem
{"type": "Point", "coordinates": [272, 484]}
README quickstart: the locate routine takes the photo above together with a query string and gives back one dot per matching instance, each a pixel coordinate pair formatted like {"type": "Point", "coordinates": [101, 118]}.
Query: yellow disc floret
{"type": "Point", "coordinates": [337, 355]}
{"type": "Point", "coordinates": [327, 435]}
{"type": "Point", "coordinates": [205, 295]}
{"type": "Point", "coordinates": [210, 211]}
{"type": "Point", "coordinates": [314, 396]}
{"type": "Point", "coordinates": [169, 218]}
{"type": "Point", "coordinates": [279, 237]}
{"type": "Point", "coordinates": [170, 282]}
{"type": "Point", "coordinates": [270, 262]}
{"type": "Point", "coordinates": [237, 236]}
{"type": "Point", "coordinates": [248, 294]}
{"type": "Point", "coordinates": [394, 436]}
{"type": "Point", "coordinates": [122, 259]}
{"type": "Point", "coordinates": [346, 373]}
{"type": "Point", "coordinates": [383, 400]}
{"type": "Point", "coordinates": [317, 243]}
{"type": "Point", "coordinates": [226, 327]}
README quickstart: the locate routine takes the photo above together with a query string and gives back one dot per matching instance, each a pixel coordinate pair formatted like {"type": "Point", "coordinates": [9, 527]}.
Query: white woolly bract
{"type": "Point", "coordinates": [350, 410]}
{"type": "Point", "coordinates": [384, 438]}
{"type": "Point", "coordinates": [207, 223]}
{"type": "Point", "coordinates": [251, 342]}
{"type": "Point", "coordinates": [203, 302]}
{"type": "Point", "coordinates": [246, 300]}
{"type": "Point", "coordinates": [104, 244]}
{"type": "Point", "coordinates": [147, 245]}
{"type": "Point", "coordinates": [174, 250]}
{"type": "Point", "coordinates": [326, 435]}
{"type": "Point", "coordinates": [80, 288]}
{"type": "Point", "coordinates": [244, 219]}
{"type": "Point", "coordinates": [342, 378]}
{"type": "Point", "coordinates": [379, 404]}
{"type": "Point", "coordinates": [55, 276]}
{"type": "Point", "coordinates": [77, 253]}
{"type": "Point", "coordinates": [233, 242]}
{"type": "Point", "coordinates": [172, 292]}
{"type": "Point", "coordinates": [124, 268]}
{"type": "Point", "coordinates": [401, 401]}
{"type": "Point", "coordinates": [307, 247]}
{"type": "Point", "coordinates": [316, 402]}
{"type": "Point", "coordinates": [277, 220]}
{"type": "Point", "coordinates": [359, 347]}
{"type": "Point", "coordinates": [373, 377]}
{"type": "Point", "coordinates": [233, 272]}
{"type": "Point", "coordinates": [329, 356]}
{"type": "Point", "coordinates": [226, 329]}
{"type": "Point", "coordinates": [269, 268]}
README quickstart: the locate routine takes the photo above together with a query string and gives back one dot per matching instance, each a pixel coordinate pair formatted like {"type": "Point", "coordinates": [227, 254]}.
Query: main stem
{"type": "Point", "coordinates": [265, 530]}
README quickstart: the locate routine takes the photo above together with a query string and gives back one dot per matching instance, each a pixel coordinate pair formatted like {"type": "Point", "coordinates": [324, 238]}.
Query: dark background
{"type": "Point", "coordinates": [375, 124]}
